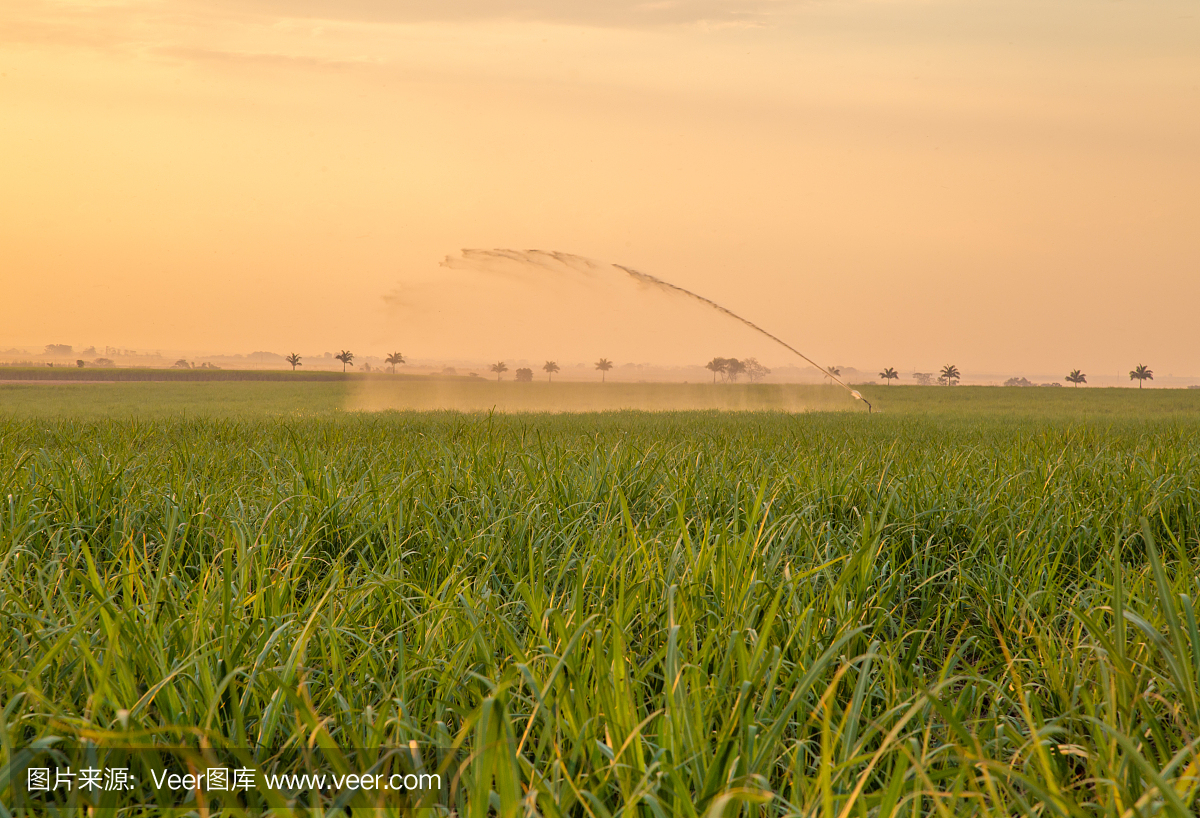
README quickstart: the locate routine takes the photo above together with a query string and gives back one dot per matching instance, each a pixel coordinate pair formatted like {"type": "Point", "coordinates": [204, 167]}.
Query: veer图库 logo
{"type": "Point", "coordinates": [114, 779]}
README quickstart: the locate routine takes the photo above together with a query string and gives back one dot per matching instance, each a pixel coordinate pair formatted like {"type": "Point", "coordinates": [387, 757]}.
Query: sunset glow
{"type": "Point", "coordinates": [1004, 184]}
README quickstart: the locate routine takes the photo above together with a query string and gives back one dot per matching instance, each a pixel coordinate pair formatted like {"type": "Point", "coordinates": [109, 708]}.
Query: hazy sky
{"type": "Point", "coordinates": [1011, 186]}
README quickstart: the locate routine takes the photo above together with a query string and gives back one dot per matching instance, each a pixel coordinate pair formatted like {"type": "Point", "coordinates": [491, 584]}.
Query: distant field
{"type": "Point", "coordinates": [106, 374]}
{"type": "Point", "coordinates": [336, 394]}
{"type": "Point", "coordinates": [977, 602]}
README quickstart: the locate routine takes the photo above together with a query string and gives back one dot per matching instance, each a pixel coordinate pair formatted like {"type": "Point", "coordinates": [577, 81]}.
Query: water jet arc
{"type": "Point", "coordinates": [655, 281]}
{"type": "Point", "coordinates": [555, 261]}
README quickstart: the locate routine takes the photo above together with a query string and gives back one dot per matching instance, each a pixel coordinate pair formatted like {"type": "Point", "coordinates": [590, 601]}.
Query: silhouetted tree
{"type": "Point", "coordinates": [831, 372]}
{"type": "Point", "coordinates": [1076, 377]}
{"type": "Point", "coordinates": [294, 360]}
{"type": "Point", "coordinates": [346, 357]}
{"type": "Point", "coordinates": [181, 364]}
{"type": "Point", "coordinates": [393, 359]}
{"type": "Point", "coordinates": [1142, 374]}
{"type": "Point", "coordinates": [733, 368]}
{"type": "Point", "coordinates": [950, 374]}
{"type": "Point", "coordinates": [888, 374]}
{"type": "Point", "coordinates": [603, 365]}
{"type": "Point", "coordinates": [717, 365]}
{"type": "Point", "coordinates": [550, 367]}
{"type": "Point", "coordinates": [499, 368]}
{"type": "Point", "coordinates": [524, 374]}
{"type": "Point", "coordinates": [754, 370]}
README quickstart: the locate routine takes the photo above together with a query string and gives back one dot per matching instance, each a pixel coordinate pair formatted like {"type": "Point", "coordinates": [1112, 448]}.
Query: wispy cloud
{"type": "Point", "coordinates": [261, 58]}
{"type": "Point", "coordinates": [614, 13]}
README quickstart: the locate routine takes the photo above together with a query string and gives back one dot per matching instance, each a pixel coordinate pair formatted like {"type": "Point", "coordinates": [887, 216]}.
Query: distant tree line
{"type": "Point", "coordinates": [525, 374]}
{"type": "Point", "coordinates": [730, 368]}
{"type": "Point", "coordinates": [727, 369]}
{"type": "Point", "coordinates": [950, 376]}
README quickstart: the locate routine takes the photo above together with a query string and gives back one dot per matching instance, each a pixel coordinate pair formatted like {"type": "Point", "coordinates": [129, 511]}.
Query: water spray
{"type": "Point", "coordinates": [578, 264]}
{"type": "Point", "coordinates": [655, 281]}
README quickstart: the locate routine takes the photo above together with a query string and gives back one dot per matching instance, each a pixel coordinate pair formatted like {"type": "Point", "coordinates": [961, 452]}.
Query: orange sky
{"type": "Point", "coordinates": [1012, 186]}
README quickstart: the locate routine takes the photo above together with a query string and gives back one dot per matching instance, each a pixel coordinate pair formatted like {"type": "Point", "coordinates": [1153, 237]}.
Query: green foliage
{"type": "Point", "coordinates": [674, 614]}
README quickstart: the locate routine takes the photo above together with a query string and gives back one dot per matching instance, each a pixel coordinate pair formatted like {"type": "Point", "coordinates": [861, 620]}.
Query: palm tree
{"type": "Point", "coordinates": [393, 359]}
{"type": "Point", "coordinates": [294, 360]}
{"type": "Point", "coordinates": [1076, 377]}
{"type": "Point", "coordinates": [832, 372]}
{"type": "Point", "coordinates": [888, 374]}
{"type": "Point", "coordinates": [550, 368]}
{"type": "Point", "coordinates": [950, 373]}
{"type": "Point", "coordinates": [717, 365]}
{"type": "Point", "coordinates": [499, 368]}
{"type": "Point", "coordinates": [1142, 374]}
{"type": "Point", "coordinates": [603, 365]}
{"type": "Point", "coordinates": [346, 357]}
